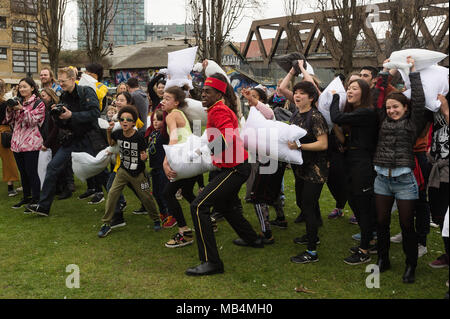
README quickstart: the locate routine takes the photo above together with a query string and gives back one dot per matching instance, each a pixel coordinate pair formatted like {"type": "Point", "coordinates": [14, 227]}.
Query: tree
{"type": "Point", "coordinates": [290, 10]}
{"type": "Point", "coordinates": [349, 18]}
{"type": "Point", "coordinates": [96, 17]}
{"type": "Point", "coordinates": [214, 20]}
{"type": "Point", "coordinates": [50, 21]}
{"type": "Point", "coordinates": [407, 20]}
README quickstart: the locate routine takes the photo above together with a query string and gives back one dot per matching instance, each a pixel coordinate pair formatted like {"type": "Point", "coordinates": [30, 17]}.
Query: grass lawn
{"type": "Point", "coordinates": [132, 262]}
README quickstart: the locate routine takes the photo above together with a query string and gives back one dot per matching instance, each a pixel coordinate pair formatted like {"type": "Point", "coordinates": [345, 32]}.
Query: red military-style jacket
{"type": "Point", "coordinates": [222, 125]}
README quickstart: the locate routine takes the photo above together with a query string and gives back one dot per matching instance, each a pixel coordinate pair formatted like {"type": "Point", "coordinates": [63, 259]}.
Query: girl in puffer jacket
{"type": "Point", "coordinates": [402, 121]}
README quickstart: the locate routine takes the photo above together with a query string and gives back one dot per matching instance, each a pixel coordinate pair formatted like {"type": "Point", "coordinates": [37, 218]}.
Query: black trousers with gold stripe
{"type": "Point", "coordinates": [221, 192]}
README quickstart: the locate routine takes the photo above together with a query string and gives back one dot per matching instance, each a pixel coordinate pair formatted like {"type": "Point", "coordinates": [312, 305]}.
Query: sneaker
{"type": "Point", "coordinates": [178, 195]}
{"type": "Point", "coordinates": [24, 201]}
{"type": "Point", "coordinates": [304, 240]}
{"type": "Point", "coordinates": [122, 206]}
{"type": "Point", "coordinates": [87, 194]}
{"type": "Point", "coordinates": [214, 225]}
{"type": "Point", "coordinates": [19, 189]}
{"type": "Point", "coordinates": [157, 225]}
{"type": "Point", "coordinates": [280, 223]}
{"type": "Point", "coordinates": [336, 213]}
{"type": "Point", "coordinates": [12, 193]}
{"type": "Point", "coordinates": [163, 217]}
{"type": "Point", "coordinates": [434, 225]}
{"type": "Point", "coordinates": [116, 223]}
{"type": "Point", "coordinates": [357, 258]}
{"type": "Point", "coordinates": [217, 216]}
{"type": "Point", "coordinates": [37, 209]}
{"type": "Point", "coordinates": [421, 250]}
{"type": "Point", "coordinates": [397, 238]}
{"type": "Point", "coordinates": [97, 199]}
{"type": "Point", "coordinates": [440, 262]}
{"type": "Point", "coordinates": [180, 240]}
{"type": "Point", "coordinates": [353, 220]}
{"type": "Point", "coordinates": [305, 258]}
{"type": "Point", "coordinates": [170, 222]}
{"type": "Point", "coordinates": [372, 249]}
{"type": "Point", "coordinates": [140, 211]}
{"type": "Point", "coordinates": [104, 231]}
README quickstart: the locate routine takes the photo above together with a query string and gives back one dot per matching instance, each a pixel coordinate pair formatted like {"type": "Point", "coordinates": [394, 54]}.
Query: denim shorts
{"type": "Point", "coordinates": [403, 187]}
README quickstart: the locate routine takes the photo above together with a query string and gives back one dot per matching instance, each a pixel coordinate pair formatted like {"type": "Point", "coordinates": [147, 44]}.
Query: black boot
{"type": "Point", "coordinates": [409, 275]}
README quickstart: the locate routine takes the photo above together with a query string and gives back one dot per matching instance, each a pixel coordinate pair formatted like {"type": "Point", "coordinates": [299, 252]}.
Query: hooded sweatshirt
{"type": "Point", "coordinates": [141, 102]}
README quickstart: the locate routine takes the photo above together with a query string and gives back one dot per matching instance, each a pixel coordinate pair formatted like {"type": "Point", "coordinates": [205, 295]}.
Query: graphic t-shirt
{"type": "Point", "coordinates": [155, 148]}
{"type": "Point", "coordinates": [130, 149]}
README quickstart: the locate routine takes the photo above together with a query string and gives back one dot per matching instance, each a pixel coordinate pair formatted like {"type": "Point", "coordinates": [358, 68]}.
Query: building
{"type": "Point", "coordinates": [156, 32]}
{"type": "Point", "coordinates": [127, 27]}
{"type": "Point", "coordinates": [21, 54]}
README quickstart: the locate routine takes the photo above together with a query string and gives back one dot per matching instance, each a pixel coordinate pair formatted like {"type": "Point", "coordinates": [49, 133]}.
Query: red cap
{"type": "Point", "coordinates": [217, 84]}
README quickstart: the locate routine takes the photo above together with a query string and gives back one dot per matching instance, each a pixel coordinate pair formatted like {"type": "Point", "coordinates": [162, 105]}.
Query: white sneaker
{"type": "Point", "coordinates": [421, 250]}
{"type": "Point", "coordinates": [434, 225]}
{"type": "Point", "coordinates": [397, 238]}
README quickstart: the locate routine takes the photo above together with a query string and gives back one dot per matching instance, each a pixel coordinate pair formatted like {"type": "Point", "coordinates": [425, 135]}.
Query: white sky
{"type": "Point", "coordinates": [174, 11]}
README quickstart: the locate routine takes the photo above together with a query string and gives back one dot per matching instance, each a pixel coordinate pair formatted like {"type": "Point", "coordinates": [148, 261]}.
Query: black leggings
{"type": "Point", "coordinates": [406, 209]}
{"type": "Point", "coordinates": [27, 162]}
{"type": "Point", "coordinates": [187, 186]}
{"type": "Point", "coordinates": [438, 198]}
{"type": "Point", "coordinates": [336, 179]}
{"type": "Point", "coordinates": [307, 195]}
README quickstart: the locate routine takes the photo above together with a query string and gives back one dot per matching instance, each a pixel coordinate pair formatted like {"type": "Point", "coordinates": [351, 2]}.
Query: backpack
{"type": "Point", "coordinates": [43, 129]}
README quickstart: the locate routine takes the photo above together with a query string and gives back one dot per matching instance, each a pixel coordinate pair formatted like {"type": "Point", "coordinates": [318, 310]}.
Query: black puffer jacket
{"type": "Point", "coordinates": [396, 139]}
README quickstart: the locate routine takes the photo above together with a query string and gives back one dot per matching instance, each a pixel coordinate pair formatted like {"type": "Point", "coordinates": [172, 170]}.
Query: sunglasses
{"type": "Point", "coordinates": [126, 119]}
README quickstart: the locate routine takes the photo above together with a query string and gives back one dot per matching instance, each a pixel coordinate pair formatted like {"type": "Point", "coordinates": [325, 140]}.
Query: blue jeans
{"type": "Point", "coordinates": [56, 166]}
{"type": "Point", "coordinates": [403, 187]}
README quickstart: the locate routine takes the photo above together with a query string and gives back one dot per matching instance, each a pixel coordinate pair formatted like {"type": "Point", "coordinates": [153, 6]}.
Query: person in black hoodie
{"type": "Point", "coordinates": [360, 125]}
{"type": "Point", "coordinates": [402, 121]}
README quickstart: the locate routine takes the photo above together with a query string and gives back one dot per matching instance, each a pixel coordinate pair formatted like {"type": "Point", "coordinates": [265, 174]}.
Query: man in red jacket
{"type": "Point", "coordinates": [230, 156]}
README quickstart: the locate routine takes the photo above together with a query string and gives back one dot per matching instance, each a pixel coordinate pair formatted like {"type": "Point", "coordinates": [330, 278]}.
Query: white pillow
{"type": "Point", "coordinates": [434, 82]}
{"type": "Point", "coordinates": [422, 59]}
{"type": "Point", "coordinates": [44, 158]}
{"type": "Point", "coordinates": [212, 68]}
{"type": "Point", "coordinates": [268, 138]}
{"type": "Point", "coordinates": [179, 66]}
{"type": "Point", "coordinates": [194, 110]}
{"type": "Point", "coordinates": [177, 156]}
{"type": "Point", "coordinates": [85, 165]}
{"type": "Point", "coordinates": [326, 98]}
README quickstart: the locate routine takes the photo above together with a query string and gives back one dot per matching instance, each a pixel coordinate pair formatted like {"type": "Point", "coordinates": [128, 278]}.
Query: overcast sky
{"type": "Point", "coordinates": [174, 11]}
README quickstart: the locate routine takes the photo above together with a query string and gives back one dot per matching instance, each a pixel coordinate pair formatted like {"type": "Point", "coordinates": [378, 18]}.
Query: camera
{"type": "Point", "coordinates": [12, 102]}
{"type": "Point", "coordinates": [57, 110]}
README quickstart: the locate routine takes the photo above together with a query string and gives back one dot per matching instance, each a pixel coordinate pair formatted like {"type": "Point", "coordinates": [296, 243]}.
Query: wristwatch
{"type": "Point", "coordinates": [298, 144]}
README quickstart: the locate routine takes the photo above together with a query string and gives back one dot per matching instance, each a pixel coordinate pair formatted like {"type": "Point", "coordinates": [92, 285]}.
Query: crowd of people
{"type": "Point", "coordinates": [382, 148]}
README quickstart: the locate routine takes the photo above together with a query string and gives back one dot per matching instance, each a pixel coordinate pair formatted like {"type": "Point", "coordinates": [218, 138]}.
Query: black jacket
{"type": "Point", "coordinates": [83, 103]}
{"type": "Point", "coordinates": [363, 124]}
{"type": "Point", "coordinates": [397, 138]}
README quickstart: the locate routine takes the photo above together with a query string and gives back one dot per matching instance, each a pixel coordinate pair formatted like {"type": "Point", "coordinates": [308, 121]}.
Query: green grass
{"type": "Point", "coordinates": [132, 262]}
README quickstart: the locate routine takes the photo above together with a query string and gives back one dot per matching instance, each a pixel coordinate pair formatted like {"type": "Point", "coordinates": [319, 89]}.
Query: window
{"type": "Point", "coordinates": [44, 58]}
{"type": "Point", "coordinates": [24, 61]}
{"type": "Point", "coordinates": [2, 22]}
{"type": "Point", "coordinates": [24, 6]}
{"type": "Point", "coordinates": [3, 53]}
{"type": "Point", "coordinates": [24, 32]}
